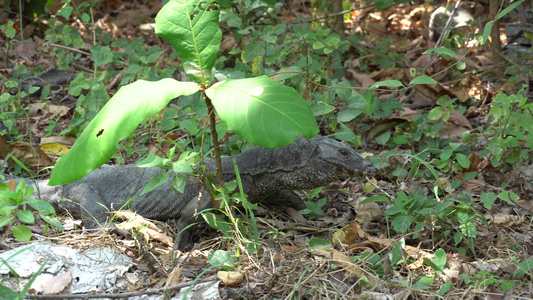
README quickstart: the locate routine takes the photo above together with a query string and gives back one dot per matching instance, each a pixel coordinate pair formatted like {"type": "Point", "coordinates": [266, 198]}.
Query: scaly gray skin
{"type": "Point", "coordinates": [268, 175]}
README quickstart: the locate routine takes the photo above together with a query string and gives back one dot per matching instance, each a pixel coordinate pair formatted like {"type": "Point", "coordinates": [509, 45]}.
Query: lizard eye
{"type": "Point", "coordinates": [343, 152]}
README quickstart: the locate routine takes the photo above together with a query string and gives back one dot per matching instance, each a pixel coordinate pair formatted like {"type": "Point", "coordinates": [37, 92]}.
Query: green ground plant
{"type": "Point", "coordinates": [16, 205]}
{"type": "Point", "coordinates": [314, 207]}
{"type": "Point", "coordinates": [196, 37]}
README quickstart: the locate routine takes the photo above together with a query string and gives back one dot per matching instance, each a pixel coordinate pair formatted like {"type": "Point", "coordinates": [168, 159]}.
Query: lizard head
{"type": "Point", "coordinates": [344, 158]}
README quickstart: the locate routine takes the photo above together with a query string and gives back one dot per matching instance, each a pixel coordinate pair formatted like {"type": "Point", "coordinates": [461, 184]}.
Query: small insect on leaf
{"type": "Point", "coordinates": [100, 133]}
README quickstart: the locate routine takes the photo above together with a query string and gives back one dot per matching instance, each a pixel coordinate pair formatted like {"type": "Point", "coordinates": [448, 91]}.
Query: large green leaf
{"type": "Point", "coordinates": [117, 120]}
{"type": "Point", "coordinates": [263, 111]}
{"type": "Point", "coordinates": [191, 27]}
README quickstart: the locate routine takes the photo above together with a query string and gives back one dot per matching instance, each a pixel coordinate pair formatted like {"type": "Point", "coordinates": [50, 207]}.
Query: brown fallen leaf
{"type": "Point", "coordinates": [525, 204]}
{"type": "Point", "coordinates": [466, 89]}
{"type": "Point", "coordinates": [54, 149]}
{"type": "Point", "coordinates": [5, 148]}
{"type": "Point", "coordinates": [37, 109]}
{"type": "Point", "coordinates": [361, 79]}
{"type": "Point", "coordinates": [388, 73]}
{"type": "Point", "coordinates": [33, 157]}
{"type": "Point", "coordinates": [452, 131]}
{"type": "Point", "coordinates": [174, 277]}
{"type": "Point", "coordinates": [505, 219]}
{"type": "Point", "coordinates": [367, 212]}
{"type": "Point", "coordinates": [12, 185]}
{"type": "Point", "coordinates": [62, 140]}
{"type": "Point", "coordinates": [476, 185]}
{"type": "Point", "coordinates": [230, 278]}
{"type": "Point", "coordinates": [53, 285]}
{"type": "Point", "coordinates": [136, 222]}
{"type": "Point", "coordinates": [419, 255]}
{"type": "Point", "coordinates": [27, 49]}
{"type": "Point", "coordinates": [346, 263]}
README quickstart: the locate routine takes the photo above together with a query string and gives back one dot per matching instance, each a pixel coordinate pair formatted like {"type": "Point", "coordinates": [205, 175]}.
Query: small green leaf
{"type": "Point", "coordinates": [441, 51]}
{"type": "Point", "coordinates": [22, 233]}
{"type": "Point", "coordinates": [423, 283]}
{"type": "Point", "coordinates": [251, 52]}
{"type": "Point", "coordinates": [444, 289]}
{"type": "Point", "coordinates": [387, 83]}
{"type": "Point", "coordinates": [439, 259]}
{"type": "Point", "coordinates": [33, 89]}
{"type": "Point", "coordinates": [102, 55]}
{"type": "Point", "coordinates": [319, 243]}
{"type": "Point", "coordinates": [397, 251]}
{"type": "Point", "coordinates": [318, 45]}
{"type": "Point", "coordinates": [320, 110]}
{"type": "Point", "coordinates": [26, 216]}
{"type": "Point", "coordinates": [41, 206]}
{"type": "Point", "coordinates": [446, 154]}
{"type": "Point", "coordinates": [470, 176]}
{"type": "Point", "coordinates": [189, 125]}
{"type": "Point", "coordinates": [378, 198]}
{"type": "Point", "coordinates": [513, 156]}
{"type": "Point", "coordinates": [217, 222]}
{"type": "Point", "coordinates": [152, 161]}
{"type": "Point", "coordinates": [486, 31]}
{"type": "Point", "coordinates": [20, 189]}
{"type": "Point", "coordinates": [457, 238]}
{"type": "Point", "coordinates": [53, 221]}
{"type": "Point", "coordinates": [469, 229]}
{"type": "Point", "coordinates": [85, 18]}
{"type": "Point", "coordinates": [155, 182]}
{"type": "Point", "coordinates": [7, 294]}
{"type": "Point", "coordinates": [171, 152]}
{"type": "Point", "coordinates": [508, 197]}
{"type": "Point", "coordinates": [401, 223]}
{"type": "Point", "coordinates": [230, 186]}
{"type": "Point", "coordinates": [6, 220]}
{"type": "Point", "coordinates": [506, 286]}
{"type": "Point", "coordinates": [347, 115]}
{"type": "Point", "coordinates": [487, 199]}
{"type": "Point", "coordinates": [382, 4]}
{"type": "Point", "coordinates": [383, 138]}
{"type": "Point", "coordinates": [221, 259]}
{"type": "Point", "coordinates": [28, 192]}
{"type": "Point", "coordinates": [463, 160]}
{"type": "Point", "coordinates": [435, 113]}
{"type": "Point", "coordinates": [422, 80]}
{"type": "Point", "coordinates": [182, 166]}
{"type": "Point", "coordinates": [315, 192]}
{"type": "Point", "coordinates": [523, 268]}
{"type": "Point", "coordinates": [286, 73]}
{"type": "Point", "coordinates": [508, 9]}
{"type": "Point", "coordinates": [467, 137]}
{"type": "Point", "coordinates": [192, 28]}
{"type": "Point", "coordinates": [395, 209]}
{"type": "Point", "coordinates": [305, 211]}
{"type": "Point", "coordinates": [178, 182]}
{"type": "Point", "coordinates": [321, 202]}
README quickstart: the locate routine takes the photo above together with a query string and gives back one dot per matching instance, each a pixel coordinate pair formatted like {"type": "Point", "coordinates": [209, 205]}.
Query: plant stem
{"type": "Point", "coordinates": [214, 135]}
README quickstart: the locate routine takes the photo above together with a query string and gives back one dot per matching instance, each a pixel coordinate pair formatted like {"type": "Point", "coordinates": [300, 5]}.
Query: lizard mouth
{"type": "Point", "coordinates": [358, 173]}
{"type": "Point", "coordinates": [369, 171]}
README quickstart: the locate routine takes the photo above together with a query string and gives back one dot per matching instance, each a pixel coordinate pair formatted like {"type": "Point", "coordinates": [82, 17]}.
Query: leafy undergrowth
{"type": "Point", "coordinates": [448, 215]}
